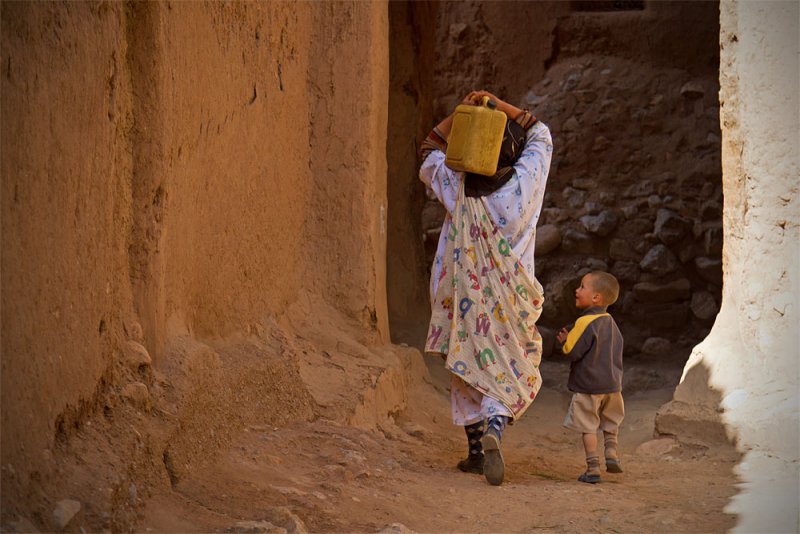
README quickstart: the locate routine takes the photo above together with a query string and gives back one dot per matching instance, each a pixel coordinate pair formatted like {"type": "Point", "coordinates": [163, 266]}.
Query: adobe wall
{"type": "Point", "coordinates": [178, 169]}
{"type": "Point", "coordinates": [66, 211]}
{"type": "Point", "coordinates": [751, 356]}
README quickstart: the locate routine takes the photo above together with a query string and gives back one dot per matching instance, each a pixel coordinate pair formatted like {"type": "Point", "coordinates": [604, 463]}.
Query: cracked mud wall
{"type": "Point", "coordinates": [751, 355]}
{"type": "Point", "coordinates": [178, 171]}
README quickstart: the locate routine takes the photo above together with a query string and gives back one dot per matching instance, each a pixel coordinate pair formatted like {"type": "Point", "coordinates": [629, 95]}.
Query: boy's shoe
{"type": "Point", "coordinates": [613, 466]}
{"type": "Point", "coordinates": [472, 464]}
{"type": "Point", "coordinates": [589, 479]}
{"type": "Point", "coordinates": [493, 465]}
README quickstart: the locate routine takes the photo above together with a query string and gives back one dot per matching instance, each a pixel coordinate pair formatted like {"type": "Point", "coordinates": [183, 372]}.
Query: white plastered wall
{"type": "Point", "coordinates": [753, 351]}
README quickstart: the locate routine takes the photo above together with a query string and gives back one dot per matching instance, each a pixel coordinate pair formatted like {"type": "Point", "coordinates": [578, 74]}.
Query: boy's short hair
{"type": "Point", "coordinates": [605, 284]}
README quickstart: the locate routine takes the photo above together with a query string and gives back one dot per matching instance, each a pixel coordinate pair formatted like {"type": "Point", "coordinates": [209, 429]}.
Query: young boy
{"type": "Point", "coordinates": [594, 346]}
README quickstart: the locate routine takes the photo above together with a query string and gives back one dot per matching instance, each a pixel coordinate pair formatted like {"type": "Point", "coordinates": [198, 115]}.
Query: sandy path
{"type": "Point", "coordinates": [332, 478]}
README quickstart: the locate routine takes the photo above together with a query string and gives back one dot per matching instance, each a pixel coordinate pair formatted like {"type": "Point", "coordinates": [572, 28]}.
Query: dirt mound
{"type": "Point", "coordinates": [154, 427]}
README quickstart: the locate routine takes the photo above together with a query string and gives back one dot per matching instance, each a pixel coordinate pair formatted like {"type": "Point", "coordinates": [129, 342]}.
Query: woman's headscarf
{"type": "Point", "coordinates": [477, 185]}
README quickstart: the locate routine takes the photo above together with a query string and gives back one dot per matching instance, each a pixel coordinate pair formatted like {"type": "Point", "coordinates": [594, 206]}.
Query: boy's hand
{"type": "Point", "coordinates": [562, 335]}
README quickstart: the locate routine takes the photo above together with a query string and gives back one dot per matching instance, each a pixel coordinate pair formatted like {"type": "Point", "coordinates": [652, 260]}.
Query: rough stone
{"type": "Point", "coordinates": [571, 125]}
{"type": "Point", "coordinates": [533, 100]}
{"type": "Point", "coordinates": [135, 331]}
{"type": "Point", "coordinates": [656, 346]}
{"type": "Point", "coordinates": [259, 527]}
{"type": "Point", "coordinates": [587, 184]}
{"type": "Point", "coordinates": [571, 81]}
{"type": "Point", "coordinates": [607, 199]}
{"type": "Point", "coordinates": [290, 521]}
{"type": "Point", "coordinates": [396, 528]}
{"type": "Point", "coordinates": [548, 339]}
{"type": "Point", "coordinates": [625, 271]}
{"type": "Point", "coordinates": [600, 143]}
{"type": "Point", "coordinates": [670, 227]}
{"type": "Point", "coordinates": [620, 249]}
{"type": "Point", "coordinates": [659, 260]}
{"type": "Point", "coordinates": [657, 447]}
{"type": "Point", "coordinates": [577, 242]}
{"type": "Point", "coordinates": [432, 216]}
{"type": "Point", "coordinates": [592, 208]}
{"type": "Point", "coordinates": [670, 292]}
{"type": "Point", "coordinates": [638, 378]}
{"type": "Point", "coordinates": [712, 241]}
{"type": "Point", "coordinates": [695, 423]}
{"type": "Point", "coordinates": [575, 198]}
{"type": "Point", "coordinates": [548, 238]}
{"type": "Point", "coordinates": [692, 90]}
{"type": "Point", "coordinates": [430, 194]}
{"type": "Point", "coordinates": [710, 269]}
{"type": "Point", "coordinates": [67, 514]}
{"type": "Point", "coordinates": [561, 295]}
{"type": "Point", "coordinates": [23, 524]}
{"type": "Point", "coordinates": [602, 224]}
{"type": "Point", "coordinates": [669, 315]}
{"type": "Point", "coordinates": [629, 303]}
{"type": "Point", "coordinates": [458, 30]}
{"type": "Point", "coordinates": [629, 211]}
{"type": "Point", "coordinates": [554, 215]}
{"type": "Point", "coordinates": [135, 355]}
{"type": "Point", "coordinates": [138, 394]}
{"type": "Point", "coordinates": [711, 211]}
{"type": "Point", "coordinates": [703, 305]}
{"type": "Point", "coordinates": [686, 250]}
{"type": "Point", "coordinates": [654, 201]}
{"type": "Point", "coordinates": [643, 188]}
{"type": "Point", "coordinates": [596, 265]}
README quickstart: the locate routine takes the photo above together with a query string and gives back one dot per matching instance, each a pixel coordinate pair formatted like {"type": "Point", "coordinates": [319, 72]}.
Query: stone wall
{"type": "Point", "coordinates": [635, 187]}
{"type": "Point", "coordinates": [750, 359]}
{"type": "Point", "coordinates": [176, 171]}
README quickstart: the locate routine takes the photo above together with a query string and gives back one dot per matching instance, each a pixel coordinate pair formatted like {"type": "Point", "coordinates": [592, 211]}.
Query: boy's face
{"type": "Point", "coordinates": [585, 295]}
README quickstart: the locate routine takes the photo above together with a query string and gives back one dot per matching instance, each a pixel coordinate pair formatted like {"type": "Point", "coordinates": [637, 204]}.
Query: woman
{"type": "Point", "coordinates": [485, 298]}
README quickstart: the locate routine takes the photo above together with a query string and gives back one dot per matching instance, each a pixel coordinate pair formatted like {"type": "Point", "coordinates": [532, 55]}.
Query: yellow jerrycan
{"type": "Point", "coordinates": [475, 138]}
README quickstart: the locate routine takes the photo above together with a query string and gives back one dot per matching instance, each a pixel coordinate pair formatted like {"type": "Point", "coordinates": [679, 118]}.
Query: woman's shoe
{"type": "Point", "coordinates": [472, 464]}
{"type": "Point", "coordinates": [493, 465]}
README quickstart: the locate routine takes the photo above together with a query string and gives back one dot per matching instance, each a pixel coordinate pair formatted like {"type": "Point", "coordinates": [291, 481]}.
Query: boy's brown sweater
{"type": "Point", "coordinates": [596, 357]}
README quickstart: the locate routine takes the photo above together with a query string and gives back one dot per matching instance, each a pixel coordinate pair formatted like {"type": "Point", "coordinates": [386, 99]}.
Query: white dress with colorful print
{"type": "Point", "coordinates": [485, 298]}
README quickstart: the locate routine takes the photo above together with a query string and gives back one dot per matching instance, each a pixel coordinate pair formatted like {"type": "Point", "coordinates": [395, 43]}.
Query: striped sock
{"type": "Point", "coordinates": [593, 465]}
{"type": "Point", "coordinates": [498, 424]}
{"type": "Point", "coordinates": [610, 445]}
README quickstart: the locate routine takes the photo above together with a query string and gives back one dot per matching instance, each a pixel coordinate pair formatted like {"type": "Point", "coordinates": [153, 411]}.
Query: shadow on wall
{"type": "Point", "coordinates": [695, 413]}
{"type": "Point", "coordinates": [413, 27]}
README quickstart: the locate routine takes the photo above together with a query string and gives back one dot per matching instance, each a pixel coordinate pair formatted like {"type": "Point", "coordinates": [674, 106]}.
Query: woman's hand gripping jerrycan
{"type": "Point", "coordinates": [475, 138]}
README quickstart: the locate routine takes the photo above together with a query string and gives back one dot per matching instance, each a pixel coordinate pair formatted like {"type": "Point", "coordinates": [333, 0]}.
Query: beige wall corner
{"type": "Point", "coordinates": [751, 355]}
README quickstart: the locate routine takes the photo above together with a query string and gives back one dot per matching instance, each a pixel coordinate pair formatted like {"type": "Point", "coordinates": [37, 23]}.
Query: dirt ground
{"type": "Point", "coordinates": [324, 477]}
